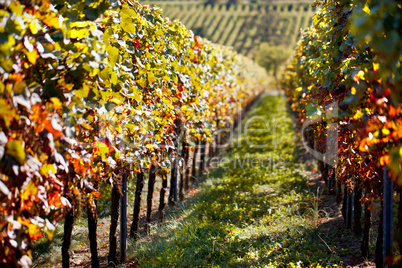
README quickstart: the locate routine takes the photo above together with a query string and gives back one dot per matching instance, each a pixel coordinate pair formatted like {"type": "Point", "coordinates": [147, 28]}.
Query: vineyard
{"type": "Point", "coordinates": [242, 26]}
{"type": "Point", "coordinates": [126, 140]}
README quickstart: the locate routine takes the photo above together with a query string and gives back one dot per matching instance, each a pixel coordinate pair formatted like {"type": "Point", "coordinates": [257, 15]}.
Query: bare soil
{"type": "Point", "coordinates": [343, 241]}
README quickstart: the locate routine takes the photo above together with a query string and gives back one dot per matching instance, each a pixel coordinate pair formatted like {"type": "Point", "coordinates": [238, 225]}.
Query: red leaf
{"type": "Point", "coordinates": [137, 43]}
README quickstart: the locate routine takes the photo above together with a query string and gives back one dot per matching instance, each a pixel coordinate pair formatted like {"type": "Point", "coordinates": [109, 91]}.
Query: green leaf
{"type": "Point", "coordinates": [16, 150]}
{"type": "Point", "coordinates": [311, 109]}
{"type": "Point", "coordinates": [7, 65]}
{"type": "Point", "coordinates": [19, 87]}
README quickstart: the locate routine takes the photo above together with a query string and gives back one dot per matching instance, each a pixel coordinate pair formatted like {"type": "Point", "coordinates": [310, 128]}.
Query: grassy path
{"type": "Point", "coordinates": [253, 210]}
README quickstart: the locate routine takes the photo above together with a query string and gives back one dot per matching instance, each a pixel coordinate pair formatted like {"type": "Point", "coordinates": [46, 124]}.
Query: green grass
{"type": "Point", "coordinates": [247, 214]}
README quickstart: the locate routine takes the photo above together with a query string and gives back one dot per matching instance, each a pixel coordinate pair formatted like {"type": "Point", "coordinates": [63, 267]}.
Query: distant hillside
{"type": "Point", "coordinates": [242, 25]}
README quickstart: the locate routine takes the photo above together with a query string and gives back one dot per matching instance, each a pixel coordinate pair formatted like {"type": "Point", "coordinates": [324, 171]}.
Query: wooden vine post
{"type": "Point", "coordinates": [367, 224]}
{"type": "Point", "coordinates": [217, 138]}
{"type": "Point", "coordinates": [162, 198]}
{"type": "Point", "coordinates": [68, 230]}
{"type": "Point", "coordinates": [137, 205]}
{"type": "Point", "coordinates": [202, 158]}
{"type": "Point", "coordinates": [123, 219]}
{"type": "Point", "coordinates": [151, 186]}
{"type": "Point", "coordinates": [349, 208]}
{"type": "Point", "coordinates": [175, 165]}
{"type": "Point", "coordinates": [331, 182]}
{"type": "Point", "coordinates": [357, 208]}
{"type": "Point", "coordinates": [185, 154]}
{"type": "Point", "coordinates": [194, 165]}
{"type": "Point", "coordinates": [387, 220]}
{"type": "Point", "coordinates": [114, 221]}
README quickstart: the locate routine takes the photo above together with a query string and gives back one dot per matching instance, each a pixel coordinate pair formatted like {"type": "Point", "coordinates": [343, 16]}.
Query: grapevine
{"type": "Point", "coordinates": [351, 57]}
{"type": "Point", "coordinates": [91, 91]}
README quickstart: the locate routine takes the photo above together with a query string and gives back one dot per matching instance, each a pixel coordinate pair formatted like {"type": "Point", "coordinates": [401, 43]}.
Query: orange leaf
{"type": "Point", "coordinates": [52, 21]}
{"type": "Point", "coordinates": [363, 146]}
{"type": "Point", "coordinates": [384, 160]}
{"type": "Point", "coordinates": [53, 127]}
{"type": "Point", "coordinates": [96, 194]}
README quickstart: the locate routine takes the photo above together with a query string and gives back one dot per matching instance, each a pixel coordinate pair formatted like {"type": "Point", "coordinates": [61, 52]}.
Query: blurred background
{"type": "Point", "coordinates": [265, 31]}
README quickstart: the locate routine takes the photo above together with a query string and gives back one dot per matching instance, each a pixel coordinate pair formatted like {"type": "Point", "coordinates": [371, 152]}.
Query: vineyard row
{"type": "Point", "coordinates": [344, 88]}
{"type": "Point", "coordinates": [92, 93]}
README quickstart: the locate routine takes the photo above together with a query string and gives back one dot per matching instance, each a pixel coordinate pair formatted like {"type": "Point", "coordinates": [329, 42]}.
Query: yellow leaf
{"type": "Point", "coordinates": [114, 79]}
{"type": "Point", "coordinates": [158, 137]}
{"type": "Point", "coordinates": [30, 190]}
{"type": "Point", "coordinates": [56, 103]}
{"type": "Point", "coordinates": [359, 76]}
{"type": "Point", "coordinates": [366, 9]}
{"type": "Point", "coordinates": [6, 46]}
{"type": "Point", "coordinates": [128, 12]}
{"type": "Point", "coordinates": [168, 102]}
{"type": "Point", "coordinates": [50, 234]}
{"type": "Point", "coordinates": [119, 129]}
{"type": "Point", "coordinates": [151, 78]}
{"type": "Point", "coordinates": [32, 56]}
{"type": "Point", "coordinates": [83, 92]}
{"type": "Point", "coordinates": [150, 146]}
{"type": "Point", "coordinates": [34, 232]}
{"type": "Point", "coordinates": [358, 115]}
{"type": "Point", "coordinates": [7, 64]}
{"type": "Point", "coordinates": [127, 16]}
{"type": "Point", "coordinates": [101, 149]}
{"type": "Point", "coordinates": [113, 55]}
{"type": "Point", "coordinates": [16, 8]}
{"type": "Point", "coordinates": [7, 113]}
{"type": "Point", "coordinates": [385, 131]}
{"type": "Point", "coordinates": [106, 95]}
{"type": "Point", "coordinates": [52, 21]}
{"type": "Point", "coordinates": [353, 90]}
{"type": "Point", "coordinates": [79, 33]}
{"type": "Point", "coordinates": [117, 98]}
{"type": "Point", "coordinates": [135, 95]}
{"type": "Point", "coordinates": [15, 148]}
{"type": "Point", "coordinates": [33, 26]}
{"type": "Point", "coordinates": [376, 66]}
{"type": "Point", "coordinates": [50, 228]}
{"type": "Point", "coordinates": [105, 74]}
{"type": "Point", "coordinates": [46, 169]}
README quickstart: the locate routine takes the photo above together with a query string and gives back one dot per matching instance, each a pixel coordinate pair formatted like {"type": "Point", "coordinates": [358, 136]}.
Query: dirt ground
{"type": "Point", "coordinates": [344, 243]}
